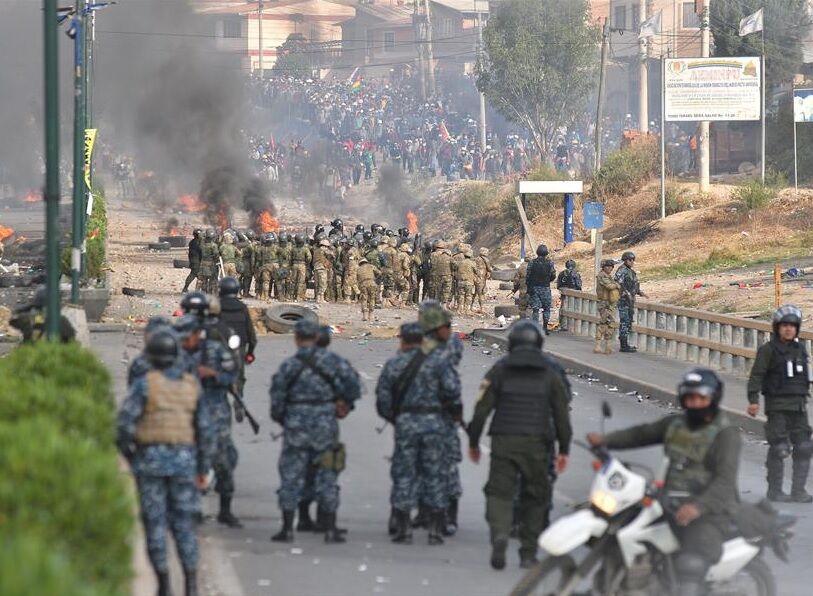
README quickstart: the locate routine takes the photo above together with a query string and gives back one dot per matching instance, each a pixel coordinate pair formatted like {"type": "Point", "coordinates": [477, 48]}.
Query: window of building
{"type": "Point", "coordinates": [636, 17]}
{"type": "Point", "coordinates": [370, 41]}
{"type": "Point", "coordinates": [691, 20]}
{"type": "Point", "coordinates": [389, 41]}
{"type": "Point", "coordinates": [620, 17]}
{"type": "Point", "coordinates": [448, 26]}
{"type": "Point", "coordinates": [232, 27]}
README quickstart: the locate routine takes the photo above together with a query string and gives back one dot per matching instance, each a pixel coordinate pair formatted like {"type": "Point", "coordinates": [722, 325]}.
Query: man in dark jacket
{"type": "Point", "coordinates": [530, 405]}
{"type": "Point", "coordinates": [540, 273]}
{"type": "Point", "coordinates": [782, 373]}
{"type": "Point", "coordinates": [195, 256]}
{"type": "Point", "coordinates": [701, 483]}
{"type": "Point", "coordinates": [569, 279]}
{"type": "Point", "coordinates": [235, 320]}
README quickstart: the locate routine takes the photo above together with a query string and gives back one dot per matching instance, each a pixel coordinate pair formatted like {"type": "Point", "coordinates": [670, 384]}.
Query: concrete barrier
{"type": "Point", "coordinates": [706, 338]}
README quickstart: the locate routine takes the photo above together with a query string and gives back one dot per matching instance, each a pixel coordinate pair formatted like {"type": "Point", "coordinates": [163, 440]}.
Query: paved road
{"type": "Point", "coordinates": [245, 562]}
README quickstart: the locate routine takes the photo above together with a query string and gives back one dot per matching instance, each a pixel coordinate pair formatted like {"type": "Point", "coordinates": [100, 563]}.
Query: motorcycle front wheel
{"type": "Point", "coordinates": [553, 576]}
{"type": "Point", "coordinates": [756, 579]}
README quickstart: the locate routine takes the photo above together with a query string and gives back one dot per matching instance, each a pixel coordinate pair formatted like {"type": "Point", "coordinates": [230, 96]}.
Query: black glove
{"type": "Point", "coordinates": [239, 414]}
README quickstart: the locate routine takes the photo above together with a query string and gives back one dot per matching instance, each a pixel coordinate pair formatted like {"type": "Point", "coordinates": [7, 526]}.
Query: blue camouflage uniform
{"type": "Point", "coordinates": [165, 474]}
{"type": "Point", "coordinates": [303, 401]}
{"type": "Point", "coordinates": [630, 288]}
{"type": "Point", "coordinates": [540, 273]}
{"type": "Point", "coordinates": [139, 367]}
{"type": "Point", "coordinates": [453, 451]}
{"type": "Point", "coordinates": [420, 424]}
{"type": "Point", "coordinates": [215, 355]}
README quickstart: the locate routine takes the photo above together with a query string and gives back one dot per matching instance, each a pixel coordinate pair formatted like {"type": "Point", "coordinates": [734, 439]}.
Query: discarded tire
{"type": "Point", "coordinates": [137, 292]}
{"type": "Point", "coordinates": [506, 285]}
{"type": "Point", "coordinates": [9, 280]}
{"type": "Point", "coordinates": [508, 311]}
{"type": "Point", "coordinates": [159, 246]}
{"type": "Point", "coordinates": [174, 241]}
{"type": "Point", "coordinates": [282, 317]}
{"type": "Point", "coordinates": [180, 263]}
{"type": "Point", "coordinates": [503, 274]}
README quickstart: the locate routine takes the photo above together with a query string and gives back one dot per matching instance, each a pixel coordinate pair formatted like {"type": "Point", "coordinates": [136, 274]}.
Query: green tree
{"type": "Point", "coordinates": [293, 57]}
{"type": "Point", "coordinates": [540, 64]}
{"type": "Point", "coordinates": [786, 24]}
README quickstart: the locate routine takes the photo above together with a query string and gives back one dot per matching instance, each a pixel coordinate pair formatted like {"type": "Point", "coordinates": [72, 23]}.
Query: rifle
{"type": "Point", "coordinates": [251, 420]}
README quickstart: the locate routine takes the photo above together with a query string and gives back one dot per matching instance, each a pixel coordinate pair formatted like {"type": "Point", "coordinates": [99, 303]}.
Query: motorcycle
{"type": "Point", "coordinates": [631, 545]}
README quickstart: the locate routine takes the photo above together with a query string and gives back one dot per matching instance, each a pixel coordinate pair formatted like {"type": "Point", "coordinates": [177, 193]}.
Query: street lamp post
{"type": "Point", "coordinates": [77, 32]}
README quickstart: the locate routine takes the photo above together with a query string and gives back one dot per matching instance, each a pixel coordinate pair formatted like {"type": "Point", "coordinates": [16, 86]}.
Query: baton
{"type": "Point", "coordinates": [251, 420]}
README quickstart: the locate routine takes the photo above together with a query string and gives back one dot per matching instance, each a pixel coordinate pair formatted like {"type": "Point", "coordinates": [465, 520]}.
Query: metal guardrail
{"type": "Point", "coordinates": [710, 339]}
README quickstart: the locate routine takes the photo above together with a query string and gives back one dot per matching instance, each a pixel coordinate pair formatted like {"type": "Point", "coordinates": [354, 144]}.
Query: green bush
{"type": "Point", "coordinates": [753, 194]}
{"type": "Point", "coordinates": [626, 171]}
{"type": "Point", "coordinates": [95, 241]}
{"type": "Point", "coordinates": [67, 366]}
{"type": "Point", "coordinates": [72, 495]}
{"type": "Point", "coordinates": [76, 413]}
{"type": "Point", "coordinates": [29, 565]}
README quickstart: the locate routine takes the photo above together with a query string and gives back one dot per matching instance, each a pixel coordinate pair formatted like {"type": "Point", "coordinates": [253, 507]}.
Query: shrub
{"type": "Point", "coordinates": [71, 494]}
{"type": "Point", "coordinates": [96, 240]}
{"type": "Point", "coordinates": [77, 414]}
{"type": "Point", "coordinates": [29, 565]}
{"type": "Point", "coordinates": [67, 366]}
{"type": "Point", "coordinates": [626, 171]}
{"type": "Point", "coordinates": [753, 194]}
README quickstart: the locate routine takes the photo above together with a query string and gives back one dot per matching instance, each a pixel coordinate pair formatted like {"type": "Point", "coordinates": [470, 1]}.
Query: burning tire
{"type": "Point", "coordinates": [174, 241]}
{"type": "Point", "coordinates": [161, 246]}
{"type": "Point", "coordinates": [282, 317]}
{"type": "Point", "coordinates": [180, 263]}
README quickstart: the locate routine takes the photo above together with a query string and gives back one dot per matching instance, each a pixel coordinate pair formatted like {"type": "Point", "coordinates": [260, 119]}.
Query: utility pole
{"type": "Point", "coordinates": [643, 90]}
{"type": "Point", "coordinates": [430, 57]}
{"type": "Point", "coordinates": [419, 26]}
{"type": "Point", "coordinates": [260, 25]}
{"type": "Point", "coordinates": [77, 29]}
{"type": "Point", "coordinates": [51, 195]}
{"type": "Point", "coordinates": [482, 95]}
{"type": "Point", "coordinates": [704, 156]}
{"type": "Point", "coordinates": [605, 36]}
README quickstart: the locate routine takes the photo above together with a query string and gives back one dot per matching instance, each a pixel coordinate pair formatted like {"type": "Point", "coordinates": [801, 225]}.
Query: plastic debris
{"type": "Point", "coordinates": [495, 346]}
{"type": "Point", "coordinates": [382, 580]}
{"type": "Point", "coordinates": [263, 583]}
{"type": "Point", "coordinates": [501, 321]}
{"type": "Point", "coordinates": [297, 551]}
{"type": "Point", "coordinates": [486, 352]}
{"type": "Point", "coordinates": [363, 567]}
{"type": "Point", "coordinates": [612, 389]}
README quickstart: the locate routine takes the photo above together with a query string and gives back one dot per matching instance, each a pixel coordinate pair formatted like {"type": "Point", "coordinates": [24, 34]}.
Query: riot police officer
{"type": "Point", "coordinates": [540, 273]}
{"type": "Point", "coordinates": [782, 373]}
{"type": "Point", "coordinates": [195, 255]}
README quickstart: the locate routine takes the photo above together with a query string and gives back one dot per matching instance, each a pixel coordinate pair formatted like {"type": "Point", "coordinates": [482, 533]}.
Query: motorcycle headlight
{"type": "Point", "coordinates": [604, 502]}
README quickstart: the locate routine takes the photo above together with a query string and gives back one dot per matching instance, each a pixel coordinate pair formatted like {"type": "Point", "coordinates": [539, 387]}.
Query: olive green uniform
{"type": "Point", "coordinates": [522, 288]}
{"type": "Point", "coordinates": [484, 271]}
{"type": "Point", "coordinates": [530, 405]}
{"type": "Point", "coordinates": [300, 259]}
{"type": "Point", "coordinates": [282, 282]}
{"type": "Point", "coordinates": [441, 274]}
{"type": "Point", "coordinates": [368, 287]}
{"type": "Point", "coordinates": [230, 256]}
{"type": "Point", "coordinates": [350, 265]}
{"type": "Point", "coordinates": [322, 269]}
{"type": "Point", "coordinates": [266, 263]}
{"type": "Point", "coordinates": [210, 256]}
{"type": "Point", "coordinates": [465, 276]}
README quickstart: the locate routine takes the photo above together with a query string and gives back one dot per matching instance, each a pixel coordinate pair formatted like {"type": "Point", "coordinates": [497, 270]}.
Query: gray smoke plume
{"type": "Point", "coordinates": [396, 198]}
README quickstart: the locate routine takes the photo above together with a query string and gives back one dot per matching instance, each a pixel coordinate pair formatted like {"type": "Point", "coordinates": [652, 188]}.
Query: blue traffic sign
{"type": "Point", "coordinates": [593, 216]}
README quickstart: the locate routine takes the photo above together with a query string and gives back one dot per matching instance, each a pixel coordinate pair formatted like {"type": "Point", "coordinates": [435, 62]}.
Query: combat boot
{"type": "Point", "coordinates": [304, 522]}
{"type": "Point", "coordinates": [498, 548]}
{"type": "Point", "coordinates": [801, 468]}
{"type": "Point", "coordinates": [625, 346]}
{"type": "Point", "coordinates": [332, 533]}
{"type": "Point", "coordinates": [392, 524]}
{"type": "Point", "coordinates": [225, 516]}
{"type": "Point", "coordinates": [776, 470]}
{"type": "Point", "coordinates": [450, 519]}
{"type": "Point", "coordinates": [321, 523]}
{"type": "Point", "coordinates": [421, 520]}
{"type": "Point", "coordinates": [164, 587]}
{"type": "Point", "coordinates": [191, 582]}
{"type": "Point", "coordinates": [526, 561]}
{"type": "Point", "coordinates": [286, 534]}
{"type": "Point", "coordinates": [436, 518]}
{"type": "Point", "coordinates": [403, 529]}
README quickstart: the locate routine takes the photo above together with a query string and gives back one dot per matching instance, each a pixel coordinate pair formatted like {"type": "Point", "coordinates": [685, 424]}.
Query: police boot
{"type": "Point", "coordinates": [775, 466]}
{"type": "Point", "coordinates": [191, 582]}
{"type": "Point", "coordinates": [801, 468]}
{"type": "Point", "coordinates": [304, 522]}
{"type": "Point", "coordinates": [436, 520]}
{"type": "Point", "coordinates": [450, 519]}
{"type": "Point", "coordinates": [332, 534]}
{"type": "Point", "coordinates": [286, 534]}
{"type": "Point", "coordinates": [403, 529]}
{"type": "Point", "coordinates": [691, 570]}
{"type": "Point", "coordinates": [625, 346]}
{"type": "Point", "coordinates": [421, 520]}
{"type": "Point", "coordinates": [164, 588]}
{"type": "Point", "coordinates": [392, 524]}
{"type": "Point", "coordinates": [225, 516]}
{"type": "Point", "coordinates": [321, 523]}
{"type": "Point", "coordinates": [498, 548]}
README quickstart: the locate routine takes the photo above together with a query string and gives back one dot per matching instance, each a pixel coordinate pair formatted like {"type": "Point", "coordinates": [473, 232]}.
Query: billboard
{"type": "Point", "coordinates": [803, 105]}
{"type": "Point", "coordinates": [712, 89]}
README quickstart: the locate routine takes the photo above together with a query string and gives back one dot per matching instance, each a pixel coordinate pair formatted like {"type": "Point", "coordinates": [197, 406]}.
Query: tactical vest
{"type": "Point", "coordinates": [300, 255]}
{"type": "Point", "coordinates": [778, 382]}
{"type": "Point", "coordinates": [169, 415]}
{"type": "Point", "coordinates": [522, 408]}
{"type": "Point", "coordinates": [605, 294]}
{"type": "Point", "coordinates": [366, 274]}
{"type": "Point", "coordinates": [228, 253]}
{"type": "Point", "coordinates": [687, 449]}
{"type": "Point", "coordinates": [539, 273]}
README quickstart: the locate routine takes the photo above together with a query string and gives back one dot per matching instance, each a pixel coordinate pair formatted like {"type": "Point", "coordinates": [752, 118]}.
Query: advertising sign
{"type": "Point", "coordinates": [713, 89]}
{"type": "Point", "coordinates": [803, 105]}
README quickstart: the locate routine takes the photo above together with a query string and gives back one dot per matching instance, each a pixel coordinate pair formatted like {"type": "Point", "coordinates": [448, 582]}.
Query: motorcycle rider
{"type": "Point", "coordinates": [781, 372]}
{"type": "Point", "coordinates": [701, 483]}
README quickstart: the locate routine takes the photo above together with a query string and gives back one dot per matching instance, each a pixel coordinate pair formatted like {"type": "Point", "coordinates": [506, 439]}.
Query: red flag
{"type": "Point", "coordinates": [444, 134]}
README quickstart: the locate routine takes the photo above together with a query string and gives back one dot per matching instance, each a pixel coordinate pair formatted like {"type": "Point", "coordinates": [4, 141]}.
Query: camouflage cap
{"type": "Point", "coordinates": [186, 325]}
{"type": "Point", "coordinates": [607, 263]}
{"type": "Point", "coordinates": [411, 332]}
{"type": "Point", "coordinates": [484, 251]}
{"type": "Point", "coordinates": [432, 316]}
{"type": "Point", "coordinates": [440, 244]}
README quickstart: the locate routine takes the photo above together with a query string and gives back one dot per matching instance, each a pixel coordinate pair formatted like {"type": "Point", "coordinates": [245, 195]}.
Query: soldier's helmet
{"type": "Point", "coordinates": [525, 334]}
{"type": "Point", "coordinates": [186, 325]}
{"type": "Point", "coordinates": [367, 236]}
{"type": "Point", "coordinates": [432, 316]}
{"type": "Point", "coordinates": [570, 264]}
{"type": "Point", "coordinates": [284, 238]}
{"type": "Point", "coordinates": [628, 256]}
{"type": "Point", "coordinates": [197, 232]}
{"type": "Point", "coordinates": [360, 228]}
{"type": "Point", "coordinates": [607, 263]}
{"type": "Point", "coordinates": [337, 223]}
{"type": "Point", "coordinates": [228, 238]}
{"type": "Point", "coordinates": [318, 230]}
{"type": "Point", "coordinates": [228, 287]}
{"type": "Point", "coordinates": [299, 239]}
{"type": "Point", "coordinates": [250, 235]}
{"type": "Point", "coordinates": [787, 314]}
{"type": "Point", "coordinates": [440, 244]}
{"type": "Point", "coordinates": [483, 251]}
{"type": "Point", "coordinates": [162, 348]}
{"type": "Point", "coordinates": [196, 303]}
{"type": "Point", "coordinates": [389, 232]}
{"type": "Point", "coordinates": [542, 250]}
{"type": "Point", "coordinates": [210, 234]}
{"type": "Point", "coordinates": [405, 248]}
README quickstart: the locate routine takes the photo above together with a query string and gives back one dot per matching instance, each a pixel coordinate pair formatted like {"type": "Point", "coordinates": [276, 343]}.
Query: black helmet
{"type": "Point", "coordinates": [229, 287]}
{"type": "Point", "coordinates": [541, 250]}
{"type": "Point", "coordinates": [360, 228]}
{"type": "Point", "coordinates": [196, 303]}
{"type": "Point", "coordinates": [318, 229]}
{"type": "Point", "coordinates": [523, 334]}
{"type": "Point", "coordinates": [197, 232]}
{"type": "Point", "coordinates": [628, 256]}
{"type": "Point", "coordinates": [299, 239]}
{"type": "Point", "coordinates": [40, 298]}
{"type": "Point", "coordinates": [389, 232]}
{"type": "Point", "coordinates": [162, 348]}
{"type": "Point", "coordinates": [186, 325]}
{"type": "Point", "coordinates": [607, 263]}
{"type": "Point", "coordinates": [787, 314]}
{"type": "Point", "coordinates": [250, 235]}
{"type": "Point", "coordinates": [210, 234]}
{"type": "Point", "coordinates": [268, 238]}
{"type": "Point", "coordinates": [337, 223]}
{"type": "Point", "coordinates": [284, 237]}
{"type": "Point", "coordinates": [367, 236]}
{"type": "Point", "coordinates": [570, 264]}
{"type": "Point", "coordinates": [323, 338]}
{"type": "Point", "coordinates": [705, 382]}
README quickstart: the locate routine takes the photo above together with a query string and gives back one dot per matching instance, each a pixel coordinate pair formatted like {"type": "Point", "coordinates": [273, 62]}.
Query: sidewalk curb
{"type": "Point", "coordinates": [664, 395]}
